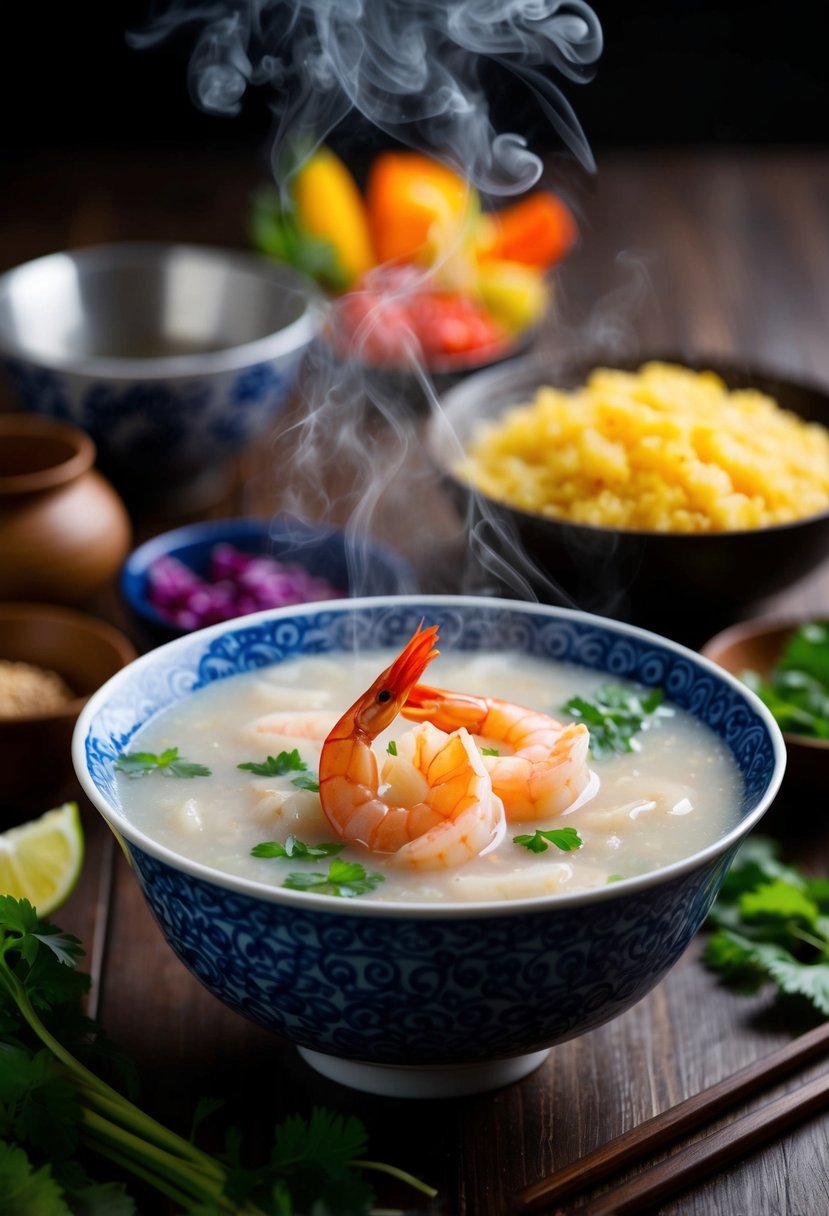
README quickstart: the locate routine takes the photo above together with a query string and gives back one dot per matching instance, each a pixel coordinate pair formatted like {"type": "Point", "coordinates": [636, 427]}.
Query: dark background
{"type": "Point", "coordinates": [674, 73]}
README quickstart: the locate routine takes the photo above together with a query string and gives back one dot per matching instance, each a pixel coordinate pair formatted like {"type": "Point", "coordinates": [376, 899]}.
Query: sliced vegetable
{"type": "Point", "coordinates": [415, 203]}
{"type": "Point", "coordinates": [516, 296]}
{"type": "Point", "coordinates": [538, 230]}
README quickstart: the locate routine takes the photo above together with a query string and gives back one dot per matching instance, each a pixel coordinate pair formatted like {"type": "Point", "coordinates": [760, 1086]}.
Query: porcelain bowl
{"type": "Point", "coordinates": [415, 999]}
{"type": "Point", "coordinates": [351, 565]}
{"type": "Point", "coordinates": [685, 585]}
{"type": "Point", "coordinates": [171, 357]}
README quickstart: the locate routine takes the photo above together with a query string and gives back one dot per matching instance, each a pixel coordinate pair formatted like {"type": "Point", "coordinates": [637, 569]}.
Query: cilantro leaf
{"type": "Point", "coordinates": [490, 751]}
{"type": "Point", "coordinates": [565, 839]}
{"type": "Point", "coordinates": [28, 1190]}
{"type": "Point", "coordinates": [797, 689]}
{"type": "Point", "coordinates": [276, 766]}
{"type": "Point", "coordinates": [168, 763]}
{"type": "Point", "coordinates": [297, 850]}
{"type": "Point", "coordinates": [616, 715]}
{"type": "Point", "coordinates": [392, 748]}
{"type": "Point", "coordinates": [344, 878]}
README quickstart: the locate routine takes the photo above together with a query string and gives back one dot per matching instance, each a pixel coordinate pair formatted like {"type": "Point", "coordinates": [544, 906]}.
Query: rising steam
{"type": "Point", "coordinates": [412, 68]}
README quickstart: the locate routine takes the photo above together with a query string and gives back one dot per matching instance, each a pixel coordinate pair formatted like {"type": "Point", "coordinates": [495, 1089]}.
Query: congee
{"type": "Point", "coordinates": [231, 777]}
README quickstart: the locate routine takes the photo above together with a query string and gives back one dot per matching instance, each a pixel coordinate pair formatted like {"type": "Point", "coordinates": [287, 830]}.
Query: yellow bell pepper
{"type": "Point", "coordinates": [516, 295]}
{"type": "Point", "coordinates": [330, 207]}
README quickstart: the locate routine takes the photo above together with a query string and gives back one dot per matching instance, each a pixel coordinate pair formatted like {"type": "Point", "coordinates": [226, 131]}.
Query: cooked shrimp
{"type": "Point", "coordinates": [456, 818]}
{"type": "Point", "coordinates": [308, 725]}
{"type": "Point", "coordinates": [546, 769]}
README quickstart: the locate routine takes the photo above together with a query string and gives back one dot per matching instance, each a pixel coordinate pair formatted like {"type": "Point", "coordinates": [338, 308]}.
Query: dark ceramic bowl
{"type": "Point", "coordinates": [687, 586]}
{"type": "Point", "coordinates": [757, 645]}
{"type": "Point", "coordinates": [353, 566]}
{"type": "Point", "coordinates": [35, 751]}
{"type": "Point", "coordinates": [426, 999]}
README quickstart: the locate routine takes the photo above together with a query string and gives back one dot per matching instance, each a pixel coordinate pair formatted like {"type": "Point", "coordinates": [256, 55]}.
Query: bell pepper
{"type": "Point", "coordinates": [516, 295]}
{"type": "Point", "coordinates": [537, 230]}
{"type": "Point", "coordinates": [416, 206]}
{"type": "Point", "coordinates": [324, 231]}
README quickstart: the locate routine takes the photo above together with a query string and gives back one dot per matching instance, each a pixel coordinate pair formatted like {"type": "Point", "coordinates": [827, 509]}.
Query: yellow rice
{"type": "Point", "coordinates": [663, 449]}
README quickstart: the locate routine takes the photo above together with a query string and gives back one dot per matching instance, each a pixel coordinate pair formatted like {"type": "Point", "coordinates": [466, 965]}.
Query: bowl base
{"type": "Point", "coordinates": [424, 1081]}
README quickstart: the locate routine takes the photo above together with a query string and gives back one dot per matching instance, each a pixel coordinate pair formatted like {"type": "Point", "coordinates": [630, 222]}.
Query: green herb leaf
{"type": "Point", "coordinates": [565, 839]}
{"type": "Point", "coordinates": [168, 763]}
{"type": "Point", "coordinates": [797, 690]}
{"type": "Point", "coordinates": [295, 849]}
{"type": "Point", "coordinates": [392, 748]}
{"type": "Point", "coordinates": [277, 766]}
{"type": "Point", "coordinates": [306, 783]}
{"type": "Point", "coordinates": [344, 878]}
{"type": "Point", "coordinates": [490, 751]}
{"type": "Point", "coordinates": [771, 927]}
{"type": "Point", "coordinates": [616, 715]}
{"type": "Point", "coordinates": [27, 1190]}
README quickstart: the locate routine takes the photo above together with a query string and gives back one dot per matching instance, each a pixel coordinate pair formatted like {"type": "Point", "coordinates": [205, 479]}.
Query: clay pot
{"type": "Point", "coordinates": [64, 531]}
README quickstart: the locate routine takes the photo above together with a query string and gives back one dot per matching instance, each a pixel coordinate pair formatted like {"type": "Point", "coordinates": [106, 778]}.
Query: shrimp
{"type": "Point", "coordinates": [546, 769]}
{"type": "Point", "coordinates": [457, 817]}
{"type": "Point", "coordinates": [308, 725]}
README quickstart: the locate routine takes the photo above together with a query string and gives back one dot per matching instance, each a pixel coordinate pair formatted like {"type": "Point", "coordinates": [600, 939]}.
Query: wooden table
{"type": "Point", "coordinates": [719, 254]}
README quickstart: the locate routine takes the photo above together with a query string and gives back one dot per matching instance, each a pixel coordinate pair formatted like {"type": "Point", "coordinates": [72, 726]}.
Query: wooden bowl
{"type": "Point", "coordinates": [756, 645]}
{"type": "Point", "coordinates": [35, 751]}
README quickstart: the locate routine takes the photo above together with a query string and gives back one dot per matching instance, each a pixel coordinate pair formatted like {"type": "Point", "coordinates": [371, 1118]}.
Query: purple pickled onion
{"type": "Point", "coordinates": [237, 583]}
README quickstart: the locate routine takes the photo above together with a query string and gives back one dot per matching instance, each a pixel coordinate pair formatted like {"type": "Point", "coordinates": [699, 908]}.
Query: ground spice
{"type": "Point", "coordinates": [26, 690]}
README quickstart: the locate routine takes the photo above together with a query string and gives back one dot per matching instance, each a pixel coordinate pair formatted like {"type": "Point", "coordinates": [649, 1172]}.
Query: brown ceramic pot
{"type": "Point", "coordinates": [64, 531]}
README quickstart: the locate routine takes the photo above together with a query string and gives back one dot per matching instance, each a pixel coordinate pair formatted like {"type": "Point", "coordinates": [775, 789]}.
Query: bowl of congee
{"type": "Point", "coordinates": [671, 493]}
{"type": "Point", "coordinates": [426, 838]}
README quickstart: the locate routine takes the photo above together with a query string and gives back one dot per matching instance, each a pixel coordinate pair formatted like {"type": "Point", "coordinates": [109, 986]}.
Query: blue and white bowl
{"type": "Point", "coordinates": [438, 999]}
{"type": "Point", "coordinates": [171, 357]}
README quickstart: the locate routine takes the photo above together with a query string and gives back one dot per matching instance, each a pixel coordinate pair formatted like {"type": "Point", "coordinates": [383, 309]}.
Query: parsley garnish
{"type": "Point", "coordinates": [346, 878]}
{"type": "Point", "coordinates": [565, 839]}
{"type": "Point", "coordinates": [392, 748]}
{"type": "Point", "coordinates": [771, 925]}
{"type": "Point", "coordinates": [297, 850]}
{"type": "Point", "coordinates": [52, 1106]}
{"type": "Point", "coordinates": [168, 764]}
{"type": "Point", "coordinates": [616, 715]}
{"type": "Point", "coordinates": [490, 751]}
{"type": "Point", "coordinates": [278, 766]}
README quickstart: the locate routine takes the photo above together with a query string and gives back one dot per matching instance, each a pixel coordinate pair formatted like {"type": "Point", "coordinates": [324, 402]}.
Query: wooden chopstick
{"type": "Point", "coordinates": [690, 1164]}
{"type": "Point", "coordinates": [668, 1126]}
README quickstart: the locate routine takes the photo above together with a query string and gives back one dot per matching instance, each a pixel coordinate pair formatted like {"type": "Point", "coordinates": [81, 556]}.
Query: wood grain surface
{"type": "Point", "coordinates": [721, 254]}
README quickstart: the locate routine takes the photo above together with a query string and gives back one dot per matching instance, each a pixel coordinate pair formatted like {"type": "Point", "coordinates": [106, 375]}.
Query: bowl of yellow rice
{"type": "Point", "coordinates": [670, 493]}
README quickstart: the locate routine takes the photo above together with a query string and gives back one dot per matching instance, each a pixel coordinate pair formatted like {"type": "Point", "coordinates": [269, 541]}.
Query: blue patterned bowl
{"type": "Point", "coordinates": [413, 999]}
{"type": "Point", "coordinates": [171, 357]}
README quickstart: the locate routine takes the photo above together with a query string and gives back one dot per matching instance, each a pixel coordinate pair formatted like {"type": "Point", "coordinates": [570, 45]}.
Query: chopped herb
{"type": "Point", "coordinates": [565, 839]}
{"type": "Point", "coordinates": [168, 764]}
{"type": "Point", "coordinates": [392, 748]}
{"type": "Point", "coordinates": [797, 690]}
{"type": "Point", "coordinates": [615, 877]}
{"type": "Point", "coordinates": [297, 850]}
{"type": "Point", "coordinates": [490, 751]}
{"type": "Point", "coordinates": [346, 878]}
{"type": "Point", "coordinates": [771, 925]}
{"type": "Point", "coordinates": [57, 1114]}
{"type": "Point", "coordinates": [616, 715]}
{"type": "Point", "coordinates": [306, 783]}
{"type": "Point", "coordinates": [277, 766]}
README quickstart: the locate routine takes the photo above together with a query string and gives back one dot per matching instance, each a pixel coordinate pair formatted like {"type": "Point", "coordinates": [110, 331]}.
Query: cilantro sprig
{"type": "Point", "coordinates": [771, 926]}
{"type": "Point", "coordinates": [58, 1113]}
{"type": "Point", "coordinates": [797, 689]}
{"type": "Point", "coordinates": [167, 763]}
{"type": "Point", "coordinates": [343, 878]}
{"type": "Point", "coordinates": [296, 850]}
{"type": "Point", "coordinates": [616, 715]}
{"type": "Point", "coordinates": [566, 839]}
{"type": "Point", "coordinates": [280, 766]}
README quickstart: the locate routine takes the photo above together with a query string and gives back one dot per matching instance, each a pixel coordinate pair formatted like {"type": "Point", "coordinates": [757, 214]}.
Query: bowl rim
{"type": "Point", "coordinates": [293, 337]}
{"type": "Point", "coordinates": [408, 909]}
{"type": "Point", "coordinates": [535, 366]}
{"type": "Point", "coordinates": [133, 575]}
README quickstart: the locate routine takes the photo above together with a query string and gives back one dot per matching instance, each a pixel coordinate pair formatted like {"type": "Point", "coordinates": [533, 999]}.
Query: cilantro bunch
{"type": "Point", "coordinates": [616, 715]}
{"type": "Point", "coordinates": [57, 1112]}
{"type": "Point", "coordinates": [797, 690]}
{"type": "Point", "coordinates": [771, 925]}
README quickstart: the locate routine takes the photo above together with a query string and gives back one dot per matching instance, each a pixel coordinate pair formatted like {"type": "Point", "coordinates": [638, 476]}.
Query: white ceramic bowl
{"type": "Point", "coordinates": [426, 999]}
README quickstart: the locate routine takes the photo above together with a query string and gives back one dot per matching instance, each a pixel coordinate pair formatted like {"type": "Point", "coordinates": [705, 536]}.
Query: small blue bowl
{"type": "Point", "coordinates": [355, 567]}
{"type": "Point", "coordinates": [427, 999]}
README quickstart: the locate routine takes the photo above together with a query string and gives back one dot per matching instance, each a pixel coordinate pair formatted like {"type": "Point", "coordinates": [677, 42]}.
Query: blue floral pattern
{"type": "Point", "coordinates": [385, 984]}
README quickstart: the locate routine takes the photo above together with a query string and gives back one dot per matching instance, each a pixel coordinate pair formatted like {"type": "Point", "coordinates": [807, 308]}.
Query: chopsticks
{"type": "Point", "coordinates": [699, 1158]}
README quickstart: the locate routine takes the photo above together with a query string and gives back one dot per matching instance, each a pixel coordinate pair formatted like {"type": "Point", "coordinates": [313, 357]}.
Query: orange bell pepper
{"type": "Point", "coordinates": [538, 230]}
{"type": "Point", "coordinates": [415, 204]}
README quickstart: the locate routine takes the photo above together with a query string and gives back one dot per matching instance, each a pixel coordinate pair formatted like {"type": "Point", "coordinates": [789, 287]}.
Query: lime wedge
{"type": "Point", "coordinates": [41, 860]}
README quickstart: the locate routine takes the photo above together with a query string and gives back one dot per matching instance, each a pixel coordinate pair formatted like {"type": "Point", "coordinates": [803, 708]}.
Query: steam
{"type": "Point", "coordinates": [412, 68]}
